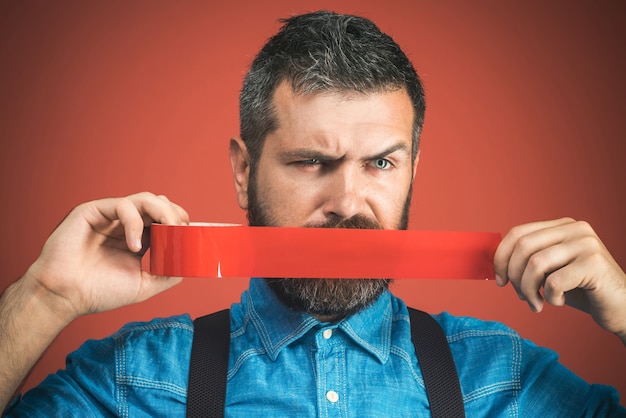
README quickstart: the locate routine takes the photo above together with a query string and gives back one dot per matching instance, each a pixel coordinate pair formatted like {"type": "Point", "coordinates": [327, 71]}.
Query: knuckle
{"type": "Point", "coordinates": [83, 207]}
{"type": "Point", "coordinates": [517, 232]}
{"type": "Point", "coordinates": [596, 259]}
{"type": "Point", "coordinates": [123, 203]}
{"type": "Point", "coordinates": [592, 243]}
{"type": "Point", "coordinates": [584, 227]}
{"type": "Point", "coordinates": [552, 284]}
{"type": "Point", "coordinates": [536, 264]}
{"type": "Point", "coordinates": [524, 244]}
{"type": "Point", "coordinates": [142, 195]}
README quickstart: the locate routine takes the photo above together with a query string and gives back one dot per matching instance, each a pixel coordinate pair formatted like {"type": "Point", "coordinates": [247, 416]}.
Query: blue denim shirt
{"type": "Point", "coordinates": [286, 363]}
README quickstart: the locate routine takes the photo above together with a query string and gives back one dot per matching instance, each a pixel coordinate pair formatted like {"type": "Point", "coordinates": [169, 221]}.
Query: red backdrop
{"type": "Point", "coordinates": [525, 122]}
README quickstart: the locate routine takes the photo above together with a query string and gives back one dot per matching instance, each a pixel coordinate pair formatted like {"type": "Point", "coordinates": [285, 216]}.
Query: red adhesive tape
{"type": "Point", "coordinates": [224, 250]}
{"type": "Point", "coordinates": [238, 251]}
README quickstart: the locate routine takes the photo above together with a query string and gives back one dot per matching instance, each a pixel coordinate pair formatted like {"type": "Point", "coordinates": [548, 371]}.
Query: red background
{"type": "Point", "coordinates": [525, 122]}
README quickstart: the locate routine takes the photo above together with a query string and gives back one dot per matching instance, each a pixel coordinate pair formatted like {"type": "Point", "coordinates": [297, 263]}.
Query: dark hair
{"type": "Point", "coordinates": [324, 51]}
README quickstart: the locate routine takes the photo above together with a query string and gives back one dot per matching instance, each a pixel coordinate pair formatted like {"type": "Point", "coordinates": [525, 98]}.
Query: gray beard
{"type": "Point", "coordinates": [332, 298]}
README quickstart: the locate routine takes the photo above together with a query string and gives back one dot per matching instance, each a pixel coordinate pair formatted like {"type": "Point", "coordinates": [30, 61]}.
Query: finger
{"type": "Point", "coordinates": [539, 268]}
{"type": "Point", "coordinates": [577, 238]}
{"type": "Point", "coordinates": [158, 209]}
{"type": "Point", "coordinates": [126, 212]}
{"type": "Point", "coordinates": [510, 244]}
{"type": "Point", "coordinates": [183, 217]}
{"type": "Point", "coordinates": [132, 223]}
{"type": "Point", "coordinates": [182, 214]}
{"type": "Point", "coordinates": [562, 281]}
{"type": "Point", "coordinates": [105, 215]}
{"type": "Point", "coordinates": [528, 245]}
{"type": "Point", "coordinates": [134, 212]}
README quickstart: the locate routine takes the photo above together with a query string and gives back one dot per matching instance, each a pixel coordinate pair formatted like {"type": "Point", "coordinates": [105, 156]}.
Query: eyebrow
{"type": "Point", "coordinates": [401, 146]}
{"type": "Point", "coordinates": [307, 153]}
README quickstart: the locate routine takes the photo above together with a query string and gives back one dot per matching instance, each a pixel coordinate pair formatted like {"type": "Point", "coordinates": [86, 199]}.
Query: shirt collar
{"type": "Point", "coordinates": [278, 325]}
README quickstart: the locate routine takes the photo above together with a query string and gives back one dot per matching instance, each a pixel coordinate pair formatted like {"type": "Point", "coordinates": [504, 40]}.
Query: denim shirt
{"type": "Point", "coordinates": [287, 364]}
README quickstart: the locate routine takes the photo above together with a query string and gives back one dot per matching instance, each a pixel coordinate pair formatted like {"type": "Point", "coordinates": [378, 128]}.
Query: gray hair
{"type": "Point", "coordinates": [324, 52]}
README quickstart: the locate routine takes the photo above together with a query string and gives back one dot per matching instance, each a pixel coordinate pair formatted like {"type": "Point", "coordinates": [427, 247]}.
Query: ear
{"type": "Point", "coordinates": [240, 164]}
{"type": "Point", "coordinates": [417, 160]}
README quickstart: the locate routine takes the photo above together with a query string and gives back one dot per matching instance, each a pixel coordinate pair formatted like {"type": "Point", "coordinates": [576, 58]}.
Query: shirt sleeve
{"type": "Point", "coordinates": [85, 388]}
{"type": "Point", "coordinates": [550, 389]}
{"type": "Point", "coordinates": [140, 371]}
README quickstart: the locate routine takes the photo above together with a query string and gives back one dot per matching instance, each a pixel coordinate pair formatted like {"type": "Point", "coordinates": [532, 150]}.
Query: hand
{"type": "Point", "coordinates": [92, 261]}
{"type": "Point", "coordinates": [567, 259]}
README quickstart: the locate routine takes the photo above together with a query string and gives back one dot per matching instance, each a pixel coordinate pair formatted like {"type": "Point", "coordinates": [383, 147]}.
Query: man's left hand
{"type": "Point", "coordinates": [567, 259]}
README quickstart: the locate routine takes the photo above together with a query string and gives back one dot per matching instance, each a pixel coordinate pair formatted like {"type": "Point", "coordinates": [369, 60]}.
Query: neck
{"type": "Point", "coordinates": [327, 318]}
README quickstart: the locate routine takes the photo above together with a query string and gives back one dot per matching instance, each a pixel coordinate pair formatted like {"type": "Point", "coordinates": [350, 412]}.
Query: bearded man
{"type": "Point", "coordinates": [331, 115]}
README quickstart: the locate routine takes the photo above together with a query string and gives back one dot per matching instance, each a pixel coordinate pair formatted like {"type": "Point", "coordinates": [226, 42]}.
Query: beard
{"type": "Point", "coordinates": [327, 298]}
{"type": "Point", "coordinates": [334, 298]}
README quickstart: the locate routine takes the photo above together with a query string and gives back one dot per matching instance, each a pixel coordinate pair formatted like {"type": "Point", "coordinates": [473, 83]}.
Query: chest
{"type": "Point", "coordinates": [325, 374]}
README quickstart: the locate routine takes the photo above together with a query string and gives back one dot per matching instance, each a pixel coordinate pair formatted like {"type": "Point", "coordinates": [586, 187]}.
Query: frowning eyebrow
{"type": "Point", "coordinates": [308, 153]}
{"type": "Point", "coordinates": [401, 146]}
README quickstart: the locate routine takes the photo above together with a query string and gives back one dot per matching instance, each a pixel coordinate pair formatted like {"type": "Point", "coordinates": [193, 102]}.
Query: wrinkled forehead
{"type": "Point", "coordinates": [338, 121]}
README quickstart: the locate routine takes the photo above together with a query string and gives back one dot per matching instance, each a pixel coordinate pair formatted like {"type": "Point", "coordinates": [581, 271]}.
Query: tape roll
{"type": "Point", "coordinates": [226, 250]}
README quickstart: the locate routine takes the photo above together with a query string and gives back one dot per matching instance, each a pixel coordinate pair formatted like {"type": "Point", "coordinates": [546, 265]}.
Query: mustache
{"type": "Point", "coordinates": [354, 222]}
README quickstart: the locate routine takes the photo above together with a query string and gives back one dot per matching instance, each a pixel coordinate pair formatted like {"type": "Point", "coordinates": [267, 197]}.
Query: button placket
{"type": "Point", "coordinates": [330, 358]}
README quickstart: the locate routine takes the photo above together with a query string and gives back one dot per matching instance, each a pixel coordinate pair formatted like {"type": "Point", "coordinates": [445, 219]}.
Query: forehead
{"type": "Point", "coordinates": [341, 119]}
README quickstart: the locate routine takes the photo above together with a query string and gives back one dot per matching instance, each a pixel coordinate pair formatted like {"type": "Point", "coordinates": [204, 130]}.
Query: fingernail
{"type": "Point", "coordinates": [138, 244]}
{"type": "Point", "coordinates": [499, 280]}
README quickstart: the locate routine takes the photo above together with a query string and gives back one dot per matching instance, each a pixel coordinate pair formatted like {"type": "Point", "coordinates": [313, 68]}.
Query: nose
{"type": "Point", "coordinates": [344, 194]}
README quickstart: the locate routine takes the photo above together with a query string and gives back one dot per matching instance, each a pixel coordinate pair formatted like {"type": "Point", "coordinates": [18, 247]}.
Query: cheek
{"type": "Point", "coordinates": [288, 202]}
{"type": "Point", "coordinates": [388, 203]}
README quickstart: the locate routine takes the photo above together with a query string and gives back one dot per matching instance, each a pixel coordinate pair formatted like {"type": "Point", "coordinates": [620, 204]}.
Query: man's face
{"type": "Point", "coordinates": [335, 160]}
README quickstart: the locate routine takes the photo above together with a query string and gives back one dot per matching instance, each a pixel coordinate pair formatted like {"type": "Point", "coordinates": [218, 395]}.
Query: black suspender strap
{"type": "Point", "coordinates": [206, 391]}
{"type": "Point", "coordinates": [435, 360]}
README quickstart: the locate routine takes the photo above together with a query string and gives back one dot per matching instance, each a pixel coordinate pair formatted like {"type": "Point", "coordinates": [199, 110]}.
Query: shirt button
{"type": "Point", "coordinates": [332, 396]}
{"type": "Point", "coordinates": [327, 333]}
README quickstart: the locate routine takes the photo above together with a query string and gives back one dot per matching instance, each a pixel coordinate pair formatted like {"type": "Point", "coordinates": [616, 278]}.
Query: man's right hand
{"type": "Point", "coordinates": [92, 261]}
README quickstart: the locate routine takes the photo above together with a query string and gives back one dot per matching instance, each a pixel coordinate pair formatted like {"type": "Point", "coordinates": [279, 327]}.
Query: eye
{"type": "Point", "coordinates": [309, 164]}
{"type": "Point", "coordinates": [310, 161]}
{"type": "Point", "coordinates": [382, 164]}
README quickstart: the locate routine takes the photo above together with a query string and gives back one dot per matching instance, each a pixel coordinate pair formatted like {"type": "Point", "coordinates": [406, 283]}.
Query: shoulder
{"type": "Point", "coordinates": [491, 345]}
{"type": "Point", "coordinates": [459, 328]}
{"type": "Point", "coordinates": [494, 346]}
{"type": "Point", "coordinates": [495, 349]}
{"type": "Point", "coordinates": [153, 336]}
{"type": "Point", "coordinates": [506, 374]}
{"type": "Point", "coordinates": [136, 371]}
{"type": "Point", "coordinates": [156, 350]}
{"type": "Point", "coordinates": [171, 328]}
{"type": "Point", "coordinates": [139, 352]}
